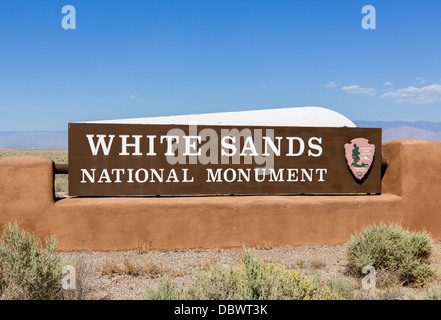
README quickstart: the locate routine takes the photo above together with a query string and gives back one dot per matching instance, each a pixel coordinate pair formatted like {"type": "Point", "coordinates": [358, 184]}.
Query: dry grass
{"type": "Point", "coordinates": [264, 246]}
{"type": "Point", "coordinates": [391, 293]}
{"type": "Point", "coordinates": [208, 263]}
{"type": "Point", "coordinates": [144, 248]}
{"type": "Point", "coordinates": [310, 264]}
{"type": "Point", "coordinates": [386, 279]}
{"type": "Point", "coordinates": [58, 155]}
{"type": "Point", "coordinates": [317, 263]}
{"type": "Point", "coordinates": [301, 263]}
{"type": "Point", "coordinates": [82, 281]}
{"type": "Point", "coordinates": [130, 267]}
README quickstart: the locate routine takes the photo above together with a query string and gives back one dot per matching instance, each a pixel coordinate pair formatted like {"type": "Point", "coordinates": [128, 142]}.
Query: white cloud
{"type": "Point", "coordinates": [421, 80]}
{"type": "Point", "coordinates": [330, 84]}
{"type": "Point", "coordinates": [427, 94]}
{"type": "Point", "coordinates": [132, 96]}
{"type": "Point", "coordinates": [356, 89]}
{"type": "Point", "coordinates": [387, 83]}
{"type": "Point", "coordinates": [263, 86]}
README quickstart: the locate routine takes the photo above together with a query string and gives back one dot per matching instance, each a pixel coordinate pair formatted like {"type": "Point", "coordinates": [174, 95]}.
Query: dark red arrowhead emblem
{"type": "Point", "coordinates": [359, 157]}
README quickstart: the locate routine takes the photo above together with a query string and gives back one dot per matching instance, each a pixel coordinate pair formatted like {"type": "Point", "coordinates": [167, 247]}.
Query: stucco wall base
{"type": "Point", "coordinates": [411, 196]}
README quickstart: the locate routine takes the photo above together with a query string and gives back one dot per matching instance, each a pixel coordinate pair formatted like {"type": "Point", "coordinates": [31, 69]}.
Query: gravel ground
{"type": "Point", "coordinates": [125, 275]}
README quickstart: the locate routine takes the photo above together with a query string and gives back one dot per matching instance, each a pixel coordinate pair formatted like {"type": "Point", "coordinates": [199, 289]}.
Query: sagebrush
{"type": "Point", "coordinates": [396, 253]}
{"type": "Point", "coordinates": [28, 270]}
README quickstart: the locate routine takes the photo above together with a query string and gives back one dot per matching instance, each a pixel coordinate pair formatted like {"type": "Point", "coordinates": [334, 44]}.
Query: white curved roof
{"type": "Point", "coordinates": [284, 117]}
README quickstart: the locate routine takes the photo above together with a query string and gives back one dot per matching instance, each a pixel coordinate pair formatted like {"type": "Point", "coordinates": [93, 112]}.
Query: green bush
{"type": "Point", "coordinates": [392, 251]}
{"type": "Point", "coordinates": [166, 291]}
{"type": "Point", "coordinates": [343, 287]}
{"type": "Point", "coordinates": [251, 279]}
{"type": "Point", "coordinates": [27, 270]}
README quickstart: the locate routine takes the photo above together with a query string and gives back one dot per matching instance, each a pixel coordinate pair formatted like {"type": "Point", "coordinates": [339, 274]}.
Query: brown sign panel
{"type": "Point", "coordinates": [141, 159]}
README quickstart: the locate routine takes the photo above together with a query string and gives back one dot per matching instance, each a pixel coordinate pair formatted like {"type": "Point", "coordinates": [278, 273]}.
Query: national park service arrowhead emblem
{"type": "Point", "coordinates": [359, 157]}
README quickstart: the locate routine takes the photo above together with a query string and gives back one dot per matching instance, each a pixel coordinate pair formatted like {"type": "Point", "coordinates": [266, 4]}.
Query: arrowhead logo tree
{"type": "Point", "coordinates": [359, 157]}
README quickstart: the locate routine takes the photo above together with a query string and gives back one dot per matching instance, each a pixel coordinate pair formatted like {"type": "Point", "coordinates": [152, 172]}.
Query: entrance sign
{"type": "Point", "coordinates": [158, 159]}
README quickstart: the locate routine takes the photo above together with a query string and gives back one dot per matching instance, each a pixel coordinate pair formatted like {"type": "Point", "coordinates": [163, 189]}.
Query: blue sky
{"type": "Point", "coordinates": [149, 58]}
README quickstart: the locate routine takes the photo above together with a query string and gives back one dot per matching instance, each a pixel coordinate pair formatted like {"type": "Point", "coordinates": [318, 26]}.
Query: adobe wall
{"type": "Point", "coordinates": [411, 195]}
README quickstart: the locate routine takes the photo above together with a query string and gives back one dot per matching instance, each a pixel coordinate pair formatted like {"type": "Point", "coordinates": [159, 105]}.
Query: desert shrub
{"type": "Point", "coordinates": [251, 279]}
{"type": "Point", "coordinates": [166, 290]}
{"type": "Point", "coordinates": [394, 252]}
{"type": "Point", "coordinates": [343, 287]}
{"type": "Point", "coordinates": [27, 269]}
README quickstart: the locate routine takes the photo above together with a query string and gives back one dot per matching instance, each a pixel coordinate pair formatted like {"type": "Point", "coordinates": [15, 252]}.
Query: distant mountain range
{"type": "Point", "coordinates": [33, 139]}
{"type": "Point", "coordinates": [392, 130]}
